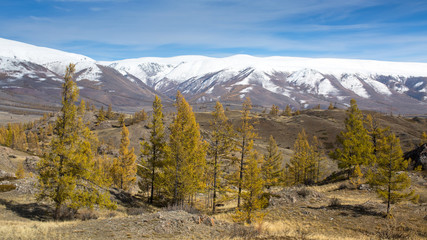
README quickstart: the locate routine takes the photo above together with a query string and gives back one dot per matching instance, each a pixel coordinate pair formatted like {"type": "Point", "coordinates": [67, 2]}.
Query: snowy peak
{"type": "Point", "coordinates": [54, 60]}
{"type": "Point", "coordinates": [301, 82]}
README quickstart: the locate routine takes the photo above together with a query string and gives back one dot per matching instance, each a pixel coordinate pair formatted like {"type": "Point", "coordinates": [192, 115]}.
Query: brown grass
{"type": "Point", "coordinates": [32, 230]}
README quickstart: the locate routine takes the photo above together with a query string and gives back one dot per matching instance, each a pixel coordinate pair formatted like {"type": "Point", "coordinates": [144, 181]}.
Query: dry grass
{"type": "Point", "coordinates": [32, 230]}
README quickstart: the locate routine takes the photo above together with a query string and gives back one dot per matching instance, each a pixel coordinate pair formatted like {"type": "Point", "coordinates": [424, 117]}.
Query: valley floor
{"type": "Point", "coordinates": [294, 213]}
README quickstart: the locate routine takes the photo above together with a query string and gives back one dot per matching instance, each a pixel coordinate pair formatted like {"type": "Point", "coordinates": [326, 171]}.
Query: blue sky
{"type": "Point", "coordinates": [392, 30]}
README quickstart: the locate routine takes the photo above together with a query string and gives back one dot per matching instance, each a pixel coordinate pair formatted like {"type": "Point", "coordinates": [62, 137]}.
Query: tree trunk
{"type": "Point", "coordinates": [241, 171]}
{"type": "Point", "coordinates": [214, 186]}
{"type": "Point", "coordinates": [175, 193]}
{"type": "Point", "coordinates": [152, 186]}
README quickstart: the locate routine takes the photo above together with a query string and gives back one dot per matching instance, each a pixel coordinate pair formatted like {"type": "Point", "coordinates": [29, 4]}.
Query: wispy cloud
{"type": "Point", "coordinates": [376, 29]}
{"type": "Point", "coordinates": [45, 19]}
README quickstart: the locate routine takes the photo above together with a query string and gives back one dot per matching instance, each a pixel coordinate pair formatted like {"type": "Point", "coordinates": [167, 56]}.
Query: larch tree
{"type": "Point", "coordinates": [154, 151]}
{"type": "Point", "coordinates": [274, 110]}
{"type": "Point", "coordinates": [355, 146]}
{"type": "Point", "coordinates": [302, 165]}
{"type": "Point", "coordinates": [423, 138]}
{"type": "Point", "coordinates": [124, 167]}
{"type": "Point", "coordinates": [287, 111]}
{"type": "Point", "coordinates": [390, 177]}
{"type": "Point", "coordinates": [247, 134]}
{"type": "Point", "coordinates": [318, 158]}
{"type": "Point", "coordinates": [221, 144]}
{"type": "Point", "coordinates": [187, 155]}
{"type": "Point", "coordinates": [81, 109]}
{"type": "Point", "coordinates": [272, 165]}
{"type": "Point", "coordinates": [331, 106]}
{"type": "Point", "coordinates": [375, 132]}
{"type": "Point", "coordinates": [67, 173]}
{"type": "Point", "coordinates": [252, 186]}
{"type": "Point", "coordinates": [101, 115]}
{"type": "Point", "coordinates": [109, 113]}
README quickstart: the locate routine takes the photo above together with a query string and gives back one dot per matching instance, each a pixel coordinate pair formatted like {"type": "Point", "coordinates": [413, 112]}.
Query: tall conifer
{"type": "Point", "coordinates": [272, 164]}
{"type": "Point", "coordinates": [247, 134]}
{"type": "Point", "coordinates": [153, 152]}
{"type": "Point", "coordinates": [390, 176]}
{"type": "Point", "coordinates": [124, 167]}
{"type": "Point", "coordinates": [355, 146]}
{"type": "Point", "coordinates": [67, 173]}
{"type": "Point", "coordinates": [252, 186]}
{"type": "Point", "coordinates": [187, 158]}
{"type": "Point", "coordinates": [221, 144]}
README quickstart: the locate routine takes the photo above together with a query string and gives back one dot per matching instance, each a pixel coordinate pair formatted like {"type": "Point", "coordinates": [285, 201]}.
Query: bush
{"type": "Point", "coordinates": [304, 192]}
{"type": "Point", "coordinates": [335, 202]}
{"type": "Point", "coordinates": [7, 187]}
{"type": "Point", "coordinates": [135, 211]}
{"type": "Point", "coordinates": [343, 186]}
{"type": "Point", "coordinates": [66, 213]}
{"type": "Point", "coordinates": [244, 232]}
{"type": "Point", "coordinates": [87, 214]}
{"type": "Point", "coordinates": [393, 231]}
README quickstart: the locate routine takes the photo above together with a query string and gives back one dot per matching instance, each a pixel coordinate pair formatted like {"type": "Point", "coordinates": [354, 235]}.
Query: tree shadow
{"type": "Point", "coordinates": [355, 210]}
{"type": "Point", "coordinates": [33, 211]}
{"type": "Point", "coordinates": [126, 199]}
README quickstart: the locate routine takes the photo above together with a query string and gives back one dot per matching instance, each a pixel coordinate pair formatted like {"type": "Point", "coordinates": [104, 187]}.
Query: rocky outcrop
{"type": "Point", "coordinates": [417, 157]}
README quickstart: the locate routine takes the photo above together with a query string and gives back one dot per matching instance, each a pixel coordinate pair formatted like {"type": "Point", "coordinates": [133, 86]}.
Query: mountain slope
{"type": "Point", "coordinates": [300, 82]}
{"type": "Point", "coordinates": [30, 74]}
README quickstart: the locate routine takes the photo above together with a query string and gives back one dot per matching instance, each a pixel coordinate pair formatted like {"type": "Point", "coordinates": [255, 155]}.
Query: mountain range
{"type": "Point", "coordinates": [31, 78]}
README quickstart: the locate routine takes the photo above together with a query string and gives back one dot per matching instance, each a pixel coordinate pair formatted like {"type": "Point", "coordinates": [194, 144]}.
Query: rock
{"type": "Point", "coordinates": [418, 157]}
{"type": "Point", "coordinates": [7, 176]}
{"type": "Point", "coordinates": [209, 221]}
{"type": "Point", "coordinates": [364, 187]}
{"type": "Point", "coordinates": [30, 163]}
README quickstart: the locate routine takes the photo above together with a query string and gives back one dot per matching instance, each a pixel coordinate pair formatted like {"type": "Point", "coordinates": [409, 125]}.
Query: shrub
{"type": "Point", "coordinates": [134, 211]}
{"type": "Point", "coordinates": [393, 231]}
{"type": "Point", "coordinates": [335, 202]}
{"type": "Point", "coordinates": [304, 192]}
{"type": "Point", "coordinates": [244, 232]}
{"type": "Point", "coordinates": [7, 187]}
{"type": "Point", "coordinates": [66, 213]}
{"type": "Point", "coordinates": [87, 214]}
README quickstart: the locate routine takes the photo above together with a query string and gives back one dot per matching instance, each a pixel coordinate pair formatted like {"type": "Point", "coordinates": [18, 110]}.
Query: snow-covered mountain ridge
{"type": "Point", "coordinates": [300, 82]}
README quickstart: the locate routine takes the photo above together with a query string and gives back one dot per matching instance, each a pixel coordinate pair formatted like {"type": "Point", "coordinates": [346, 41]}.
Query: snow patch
{"type": "Point", "coordinates": [352, 83]}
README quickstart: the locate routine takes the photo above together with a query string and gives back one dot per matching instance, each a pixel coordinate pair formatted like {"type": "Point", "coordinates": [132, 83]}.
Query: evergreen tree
{"type": "Point", "coordinates": [252, 186]}
{"type": "Point", "coordinates": [124, 167]}
{"type": "Point", "coordinates": [153, 153]}
{"type": "Point", "coordinates": [272, 164]}
{"type": "Point", "coordinates": [331, 106]}
{"type": "Point", "coordinates": [121, 119]}
{"type": "Point", "coordinates": [82, 108]}
{"type": "Point", "coordinates": [101, 115]}
{"type": "Point", "coordinates": [318, 158]}
{"type": "Point", "coordinates": [187, 156]}
{"type": "Point", "coordinates": [67, 174]}
{"type": "Point", "coordinates": [375, 132]}
{"type": "Point", "coordinates": [274, 110]}
{"type": "Point", "coordinates": [221, 144]}
{"type": "Point", "coordinates": [355, 143]}
{"type": "Point", "coordinates": [390, 176]}
{"type": "Point", "coordinates": [109, 113]}
{"type": "Point", "coordinates": [20, 172]}
{"type": "Point", "coordinates": [302, 165]}
{"type": "Point", "coordinates": [247, 134]}
{"type": "Point", "coordinates": [423, 138]}
{"type": "Point", "coordinates": [288, 111]}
